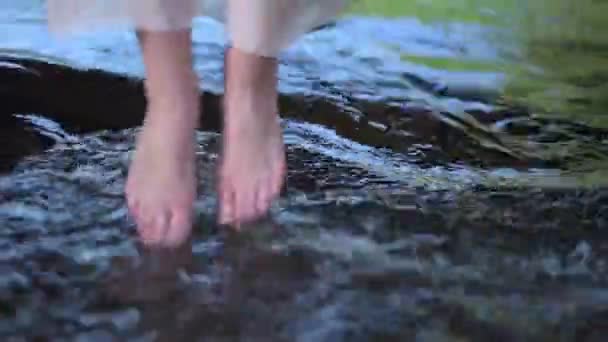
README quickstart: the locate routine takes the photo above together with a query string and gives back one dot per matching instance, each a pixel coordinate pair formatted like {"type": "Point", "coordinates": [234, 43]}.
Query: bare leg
{"type": "Point", "coordinates": [253, 161]}
{"type": "Point", "coordinates": [161, 187]}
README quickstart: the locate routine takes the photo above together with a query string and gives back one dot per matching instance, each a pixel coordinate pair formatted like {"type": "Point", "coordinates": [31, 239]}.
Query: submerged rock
{"type": "Point", "coordinates": [393, 226]}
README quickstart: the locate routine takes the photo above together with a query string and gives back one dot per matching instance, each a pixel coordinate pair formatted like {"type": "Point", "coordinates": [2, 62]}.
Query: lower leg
{"type": "Point", "coordinates": [171, 82]}
{"type": "Point", "coordinates": [161, 184]}
{"type": "Point", "coordinates": [253, 80]}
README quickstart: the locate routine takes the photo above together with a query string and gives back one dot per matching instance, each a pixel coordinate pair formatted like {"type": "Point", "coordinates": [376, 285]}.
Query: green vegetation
{"type": "Point", "coordinates": [568, 41]}
{"type": "Point", "coordinates": [440, 12]}
{"type": "Point", "coordinates": [564, 41]}
{"type": "Point", "coordinates": [558, 68]}
{"type": "Point", "coordinates": [436, 10]}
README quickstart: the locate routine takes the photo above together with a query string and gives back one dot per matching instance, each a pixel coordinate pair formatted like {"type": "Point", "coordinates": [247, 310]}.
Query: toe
{"type": "Point", "coordinates": [160, 226]}
{"type": "Point", "coordinates": [152, 226]}
{"type": "Point", "coordinates": [263, 197]}
{"type": "Point", "coordinates": [133, 207]}
{"type": "Point", "coordinates": [246, 206]}
{"type": "Point", "coordinates": [144, 226]}
{"type": "Point", "coordinates": [180, 227]}
{"type": "Point", "coordinates": [227, 204]}
{"type": "Point", "coordinates": [277, 181]}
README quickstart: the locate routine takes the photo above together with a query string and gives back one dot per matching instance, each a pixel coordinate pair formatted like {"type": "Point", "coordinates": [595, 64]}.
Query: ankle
{"type": "Point", "coordinates": [168, 120]}
{"type": "Point", "coordinates": [250, 74]}
{"type": "Point", "coordinates": [250, 84]}
{"type": "Point", "coordinates": [172, 105]}
{"type": "Point", "coordinates": [178, 87]}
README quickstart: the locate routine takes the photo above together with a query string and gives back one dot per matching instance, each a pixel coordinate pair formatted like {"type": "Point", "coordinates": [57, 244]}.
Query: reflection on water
{"type": "Point", "coordinates": [422, 202]}
{"type": "Point", "coordinates": [330, 265]}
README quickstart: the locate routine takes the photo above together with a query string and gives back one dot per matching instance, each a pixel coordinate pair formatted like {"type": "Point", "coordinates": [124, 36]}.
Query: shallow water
{"type": "Point", "coordinates": [453, 219]}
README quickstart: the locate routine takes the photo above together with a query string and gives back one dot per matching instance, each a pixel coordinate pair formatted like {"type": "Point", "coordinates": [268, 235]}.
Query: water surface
{"type": "Point", "coordinates": [423, 202]}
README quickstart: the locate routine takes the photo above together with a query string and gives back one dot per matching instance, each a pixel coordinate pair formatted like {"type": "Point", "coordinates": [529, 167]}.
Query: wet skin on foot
{"type": "Point", "coordinates": [161, 187]}
{"type": "Point", "coordinates": [252, 168]}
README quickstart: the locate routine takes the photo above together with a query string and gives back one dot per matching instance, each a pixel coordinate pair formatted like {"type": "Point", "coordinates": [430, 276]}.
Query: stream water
{"type": "Point", "coordinates": [462, 219]}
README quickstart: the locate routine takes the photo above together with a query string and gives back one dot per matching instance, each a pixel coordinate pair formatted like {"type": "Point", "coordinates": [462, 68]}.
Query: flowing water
{"type": "Point", "coordinates": [445, 184]}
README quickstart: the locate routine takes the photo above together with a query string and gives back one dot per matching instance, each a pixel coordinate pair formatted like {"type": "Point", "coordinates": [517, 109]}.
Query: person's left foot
{"type": "Point", "coordinates": [161, 186]}
{"type": "Point", "coordinates": [253, 163]}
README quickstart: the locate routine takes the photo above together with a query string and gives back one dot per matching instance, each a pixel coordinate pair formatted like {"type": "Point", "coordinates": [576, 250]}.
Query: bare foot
{"type": "Point", "coordinates": [161, 187]}
{"type": "Point", "coordinates": [253, 164]}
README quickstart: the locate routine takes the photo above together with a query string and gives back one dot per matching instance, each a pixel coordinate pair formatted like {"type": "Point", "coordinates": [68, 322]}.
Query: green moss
{"type": "Point", "coordinates": [436, 10]}
{"type": "Point", "coordinates": [453, 64]}
{"type": "Point", "coordinates": [558, 68]}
